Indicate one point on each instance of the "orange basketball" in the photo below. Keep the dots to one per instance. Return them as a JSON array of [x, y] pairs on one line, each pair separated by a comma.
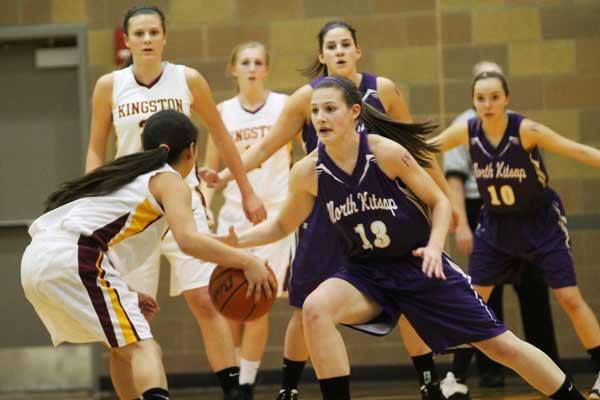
[[227, 289]]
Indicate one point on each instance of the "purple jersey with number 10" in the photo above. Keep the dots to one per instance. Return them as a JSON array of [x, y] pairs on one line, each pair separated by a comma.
[[510, 180], [319, 253], [522, 218]]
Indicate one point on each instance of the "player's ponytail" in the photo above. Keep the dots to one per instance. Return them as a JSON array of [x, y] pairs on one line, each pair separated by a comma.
[[166, 135], [411, 136]]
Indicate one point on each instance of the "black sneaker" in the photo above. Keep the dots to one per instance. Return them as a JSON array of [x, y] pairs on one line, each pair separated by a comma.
[[492, 379], [247, 391], [234, 394], [431, 391], [287, 394]]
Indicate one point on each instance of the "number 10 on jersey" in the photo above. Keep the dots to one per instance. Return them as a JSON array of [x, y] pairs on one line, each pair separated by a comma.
[[507, 195]]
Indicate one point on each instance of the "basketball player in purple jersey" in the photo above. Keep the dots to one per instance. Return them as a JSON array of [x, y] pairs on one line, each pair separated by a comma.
[[393, 221], [522, 217], [318, 255]]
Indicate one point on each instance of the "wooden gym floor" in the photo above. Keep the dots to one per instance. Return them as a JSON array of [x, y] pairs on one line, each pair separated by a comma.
[[516, 389]]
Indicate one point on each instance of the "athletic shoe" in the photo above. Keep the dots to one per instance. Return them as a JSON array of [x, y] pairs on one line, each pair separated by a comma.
[[595, 392], [431, 392], [492, 379], [454, 390], [287, 394], [234, 394], [247, 391]]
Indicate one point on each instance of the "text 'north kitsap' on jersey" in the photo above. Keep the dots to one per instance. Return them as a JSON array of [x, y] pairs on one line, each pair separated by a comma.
[[510, 180], [377, 217], [368, 90]]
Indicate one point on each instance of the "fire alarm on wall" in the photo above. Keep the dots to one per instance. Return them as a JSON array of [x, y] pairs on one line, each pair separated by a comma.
[[122, 53]]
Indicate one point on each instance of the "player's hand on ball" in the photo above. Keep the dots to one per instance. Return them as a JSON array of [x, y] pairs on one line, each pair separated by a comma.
[[432, 261], [258, 280], [148, 306]]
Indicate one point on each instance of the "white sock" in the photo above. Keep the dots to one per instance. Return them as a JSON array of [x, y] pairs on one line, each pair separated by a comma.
[[248, 370]]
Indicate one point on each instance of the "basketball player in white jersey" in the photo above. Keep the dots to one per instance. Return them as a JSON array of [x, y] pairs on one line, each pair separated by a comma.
[[248, 117], [125, 99], [103, 225]]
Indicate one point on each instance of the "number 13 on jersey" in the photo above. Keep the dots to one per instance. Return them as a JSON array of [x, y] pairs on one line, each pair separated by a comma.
[[378, 228]]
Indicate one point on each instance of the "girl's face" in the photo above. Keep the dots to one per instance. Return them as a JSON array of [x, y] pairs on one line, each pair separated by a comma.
[[489, 98], [339, 52], [145, 37], [330, 115], [251, 66]]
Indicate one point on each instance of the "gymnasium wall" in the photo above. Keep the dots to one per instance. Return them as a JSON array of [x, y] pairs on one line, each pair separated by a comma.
[[550, 50]]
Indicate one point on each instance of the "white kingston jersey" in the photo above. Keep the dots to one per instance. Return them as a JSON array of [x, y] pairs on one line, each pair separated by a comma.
[[126, 224], [270, 181], [133, 103]]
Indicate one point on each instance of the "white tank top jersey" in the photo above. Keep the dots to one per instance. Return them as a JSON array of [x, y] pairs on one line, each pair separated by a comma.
[[270, 181], [127, 223], [134, 103]]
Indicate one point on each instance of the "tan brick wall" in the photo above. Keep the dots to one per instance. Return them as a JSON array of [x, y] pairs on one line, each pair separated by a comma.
[[550, 50]]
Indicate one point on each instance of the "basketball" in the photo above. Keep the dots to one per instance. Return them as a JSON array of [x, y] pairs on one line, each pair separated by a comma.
[[227, 289]]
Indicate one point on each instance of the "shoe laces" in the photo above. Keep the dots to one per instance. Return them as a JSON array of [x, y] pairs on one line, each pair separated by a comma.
[[288, 394]]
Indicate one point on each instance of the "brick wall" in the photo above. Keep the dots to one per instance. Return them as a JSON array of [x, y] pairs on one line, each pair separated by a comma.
[[550, 50]]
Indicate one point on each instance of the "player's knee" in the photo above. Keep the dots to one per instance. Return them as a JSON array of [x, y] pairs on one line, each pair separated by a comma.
[[146, 346], [503, 348], [313, 311], [199, 302]]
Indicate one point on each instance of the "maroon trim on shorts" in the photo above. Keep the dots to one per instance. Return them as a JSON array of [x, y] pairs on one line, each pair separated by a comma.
[[89, 255]]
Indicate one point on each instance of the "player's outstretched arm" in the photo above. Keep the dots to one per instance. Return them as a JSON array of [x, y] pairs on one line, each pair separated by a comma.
[[536, 134], [297, 207], [175, 196], [451, 137], [204, 105]]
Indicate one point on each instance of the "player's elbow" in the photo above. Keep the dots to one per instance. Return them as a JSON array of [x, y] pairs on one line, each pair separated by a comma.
[[185, 241]]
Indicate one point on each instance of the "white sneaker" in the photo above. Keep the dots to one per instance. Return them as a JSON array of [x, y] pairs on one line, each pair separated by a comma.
[[595, 392], [453, 390]]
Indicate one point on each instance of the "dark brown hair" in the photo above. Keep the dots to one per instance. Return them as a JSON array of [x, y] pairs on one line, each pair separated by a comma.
[[316, 68], [411, 136], [142, 9], [166, 135]]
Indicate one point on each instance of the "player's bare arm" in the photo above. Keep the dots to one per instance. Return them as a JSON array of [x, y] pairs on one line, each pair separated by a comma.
[[204, 105], [393, 100], [101, 122], [453, 136], [535, 134], [420, 183], [297, 207]]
